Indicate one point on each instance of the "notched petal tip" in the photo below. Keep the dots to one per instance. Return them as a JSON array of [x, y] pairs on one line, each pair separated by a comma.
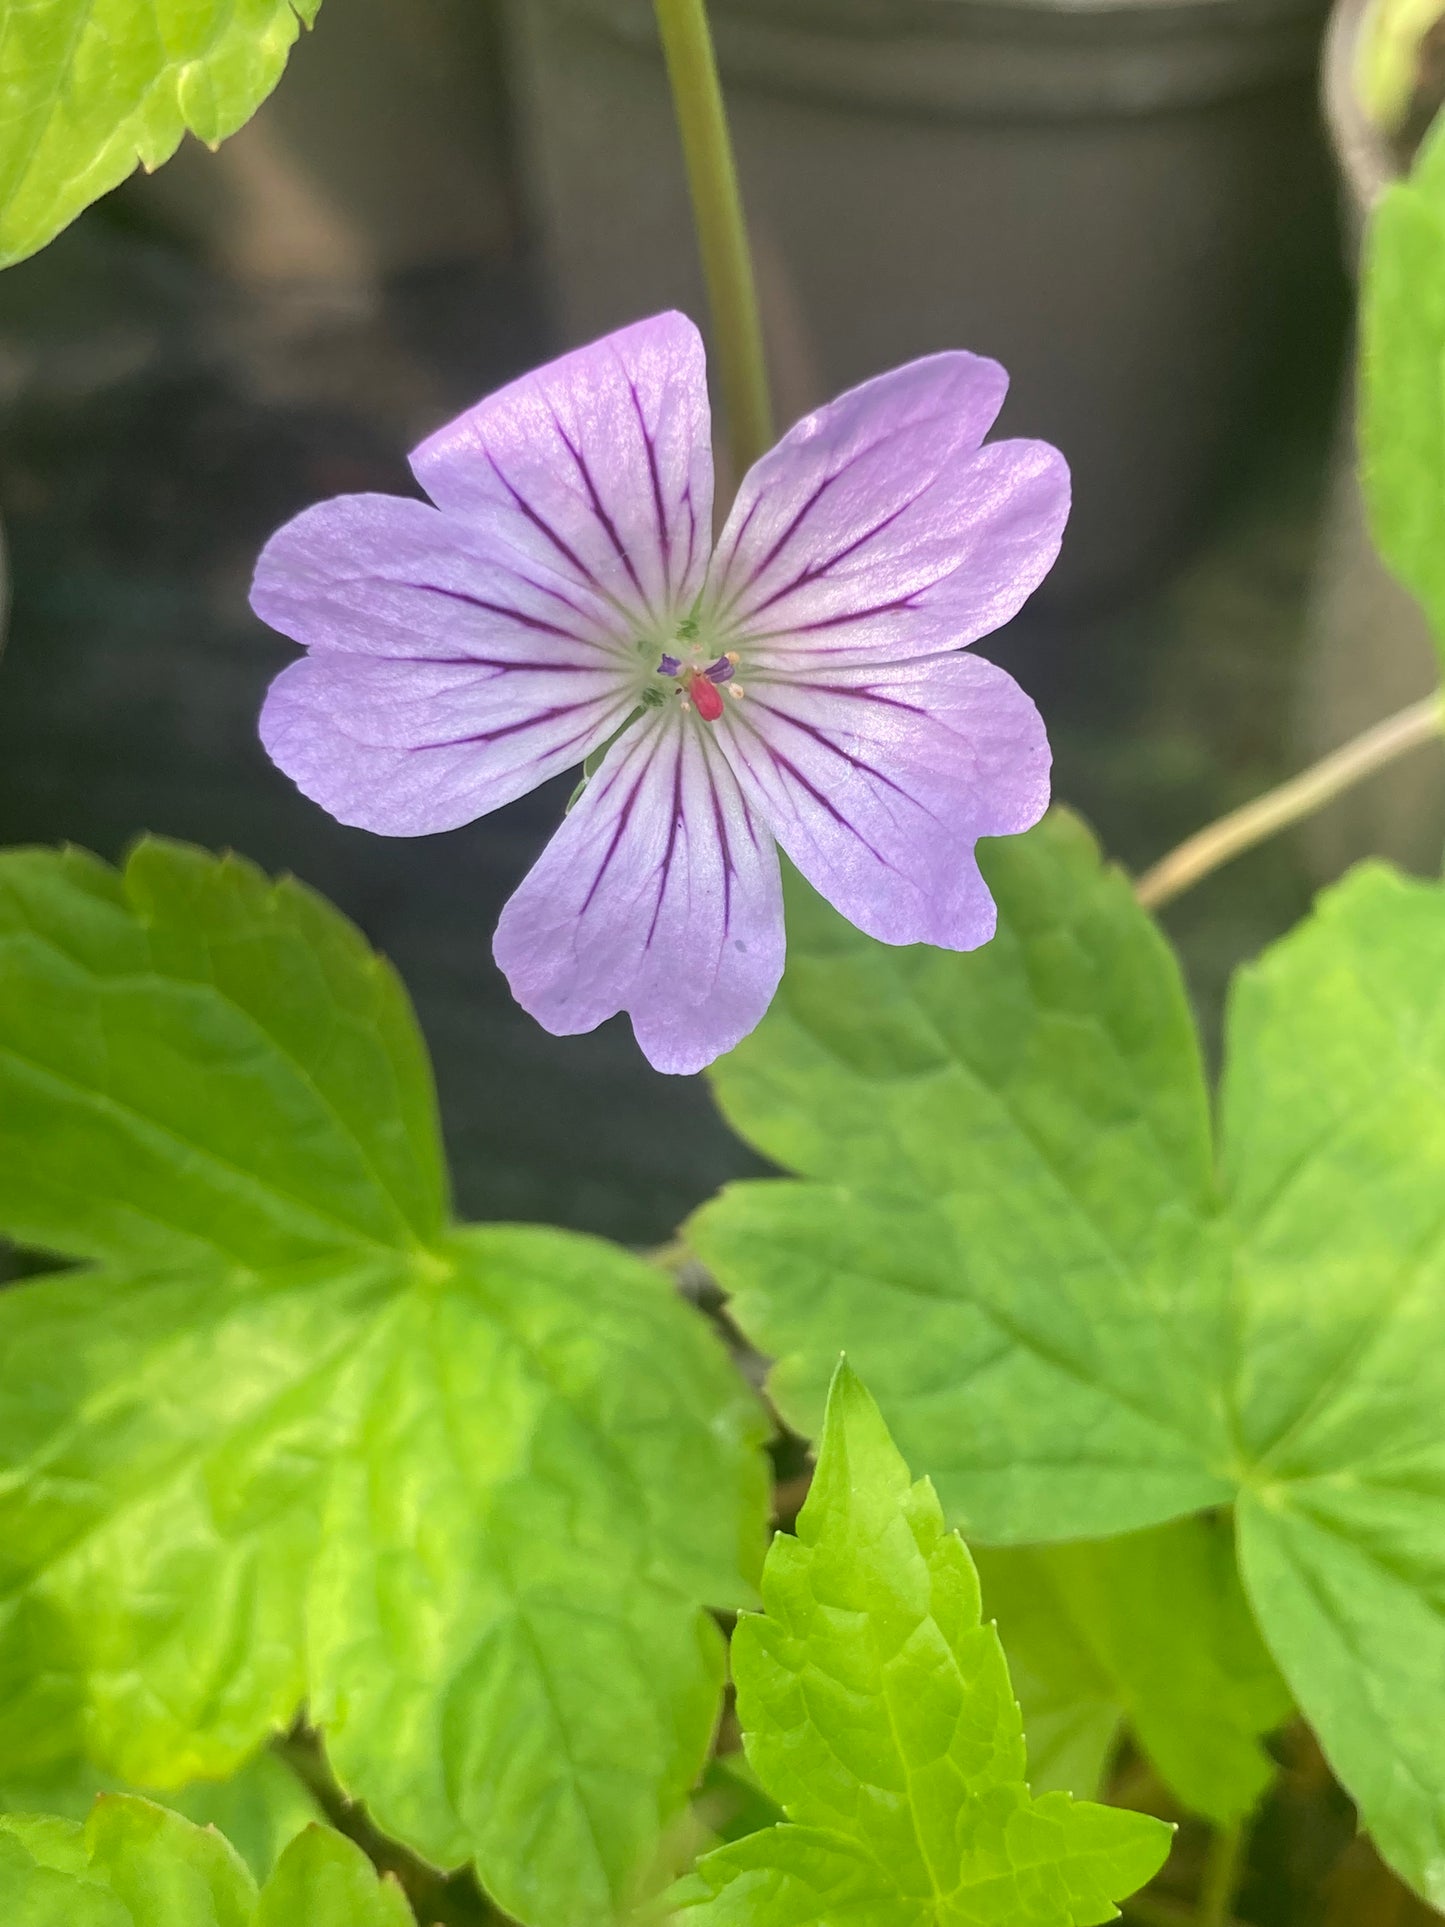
[[885, 527], [878, 783], [598, 464]]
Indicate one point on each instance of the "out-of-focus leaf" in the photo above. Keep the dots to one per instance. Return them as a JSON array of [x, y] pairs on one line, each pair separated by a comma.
[[91, 88], [1072, 1710], [1152, 1626], [260, 1809], [135, 1864], [152, 1868], [322, 1880], [877, 1710], [1402, 395]]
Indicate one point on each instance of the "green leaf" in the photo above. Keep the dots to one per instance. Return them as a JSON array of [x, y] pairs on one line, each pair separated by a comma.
[[1402, 379], [134, 1864], [1072, 1708], [171, 1040], [1152, 1626], [323, 1880], [465, 1492], [1334, 1135], [1019, 1352], [131, 1865], [1085, 1333], [877, 1710], [36, 1893], [91, 87], [260, 1809]]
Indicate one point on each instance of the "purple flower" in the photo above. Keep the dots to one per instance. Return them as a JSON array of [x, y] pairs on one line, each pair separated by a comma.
[[799, 684]]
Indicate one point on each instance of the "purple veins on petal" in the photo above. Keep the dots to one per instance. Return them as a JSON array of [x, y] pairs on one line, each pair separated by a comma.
[[599, 465], [882, 518], [879, 783], [555, 605], [659, 895]]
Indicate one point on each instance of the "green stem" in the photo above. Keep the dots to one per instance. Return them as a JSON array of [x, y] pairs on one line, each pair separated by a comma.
[[1222, 1869], [1219, 842], [722, 234]]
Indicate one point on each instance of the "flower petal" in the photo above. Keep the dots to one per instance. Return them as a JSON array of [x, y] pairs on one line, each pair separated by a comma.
[[408, 749], [879, 525], [444, 680], [598, 465], [659, 895], [380, 575], [878, 783]]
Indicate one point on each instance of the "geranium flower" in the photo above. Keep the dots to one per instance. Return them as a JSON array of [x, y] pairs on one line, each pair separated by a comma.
[[800, 684]]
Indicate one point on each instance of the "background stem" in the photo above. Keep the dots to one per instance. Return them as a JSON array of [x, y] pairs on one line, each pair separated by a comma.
[[722, 235], [1222, 1870], [1218, 842]]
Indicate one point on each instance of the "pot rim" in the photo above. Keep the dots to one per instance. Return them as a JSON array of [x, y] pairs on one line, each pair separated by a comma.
[[1363, 153]]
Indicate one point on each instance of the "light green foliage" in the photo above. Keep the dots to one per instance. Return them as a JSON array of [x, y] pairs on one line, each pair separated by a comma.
[[260, 1810], [877, 1710], [1081, 1332], [1012, 1176], [1402, 379], [322, 1880], [89, 88], [464, 1491], [133, 1864], [1154, 1626], [1071, 1703]]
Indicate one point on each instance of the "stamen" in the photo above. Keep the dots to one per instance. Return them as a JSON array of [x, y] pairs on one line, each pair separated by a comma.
[[669, 666], [721, 670]]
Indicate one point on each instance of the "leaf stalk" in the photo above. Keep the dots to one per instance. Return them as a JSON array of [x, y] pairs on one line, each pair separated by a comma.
[[1230, 836]]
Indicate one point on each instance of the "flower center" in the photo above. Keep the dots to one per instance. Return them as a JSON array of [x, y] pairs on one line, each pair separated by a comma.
[[701, 687], [697, 684]]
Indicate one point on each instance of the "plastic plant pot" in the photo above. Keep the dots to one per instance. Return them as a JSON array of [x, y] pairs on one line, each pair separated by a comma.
[[1119, 200]]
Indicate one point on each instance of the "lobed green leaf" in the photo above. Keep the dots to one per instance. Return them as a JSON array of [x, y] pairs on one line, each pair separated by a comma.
[[260, 1809], [876, 1708], [1086, 1333], [134, 1864], [466, 1493], [90, 88]]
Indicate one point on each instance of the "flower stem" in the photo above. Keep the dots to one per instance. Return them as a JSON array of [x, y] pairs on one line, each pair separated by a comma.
[[1231, 835], [722, 234]]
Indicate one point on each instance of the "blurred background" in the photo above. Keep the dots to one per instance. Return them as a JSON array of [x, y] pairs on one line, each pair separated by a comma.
[[1138, 206]]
